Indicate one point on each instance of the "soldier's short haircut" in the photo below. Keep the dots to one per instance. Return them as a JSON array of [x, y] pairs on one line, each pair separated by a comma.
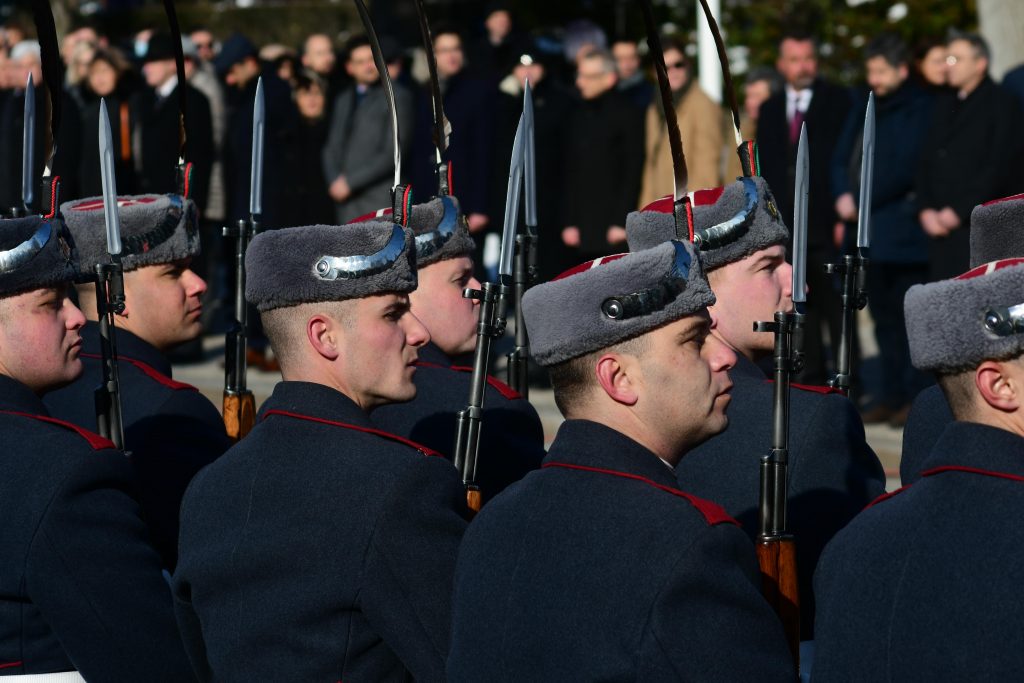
[[889, 47], [574, 379], [285, 328], [959, 389], [977, 43]]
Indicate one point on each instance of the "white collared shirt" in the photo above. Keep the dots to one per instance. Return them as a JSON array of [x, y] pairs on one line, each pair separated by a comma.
[[797, 99]]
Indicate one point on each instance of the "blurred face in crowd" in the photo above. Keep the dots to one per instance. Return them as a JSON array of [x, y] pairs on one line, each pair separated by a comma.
[[534, 71], [675, 62], [627, 58], [162, 303], [966, 67], [438, 302], [797, 63], [102, 77], [158, 71], [310, 101], [240, 73], [39, 338], [498, 25], [883, 77], [933, 66], [319, 54], [754, 95], [448, 53], [360, 66], [21, 68], [750, 290], [203, 41], [594, 78]]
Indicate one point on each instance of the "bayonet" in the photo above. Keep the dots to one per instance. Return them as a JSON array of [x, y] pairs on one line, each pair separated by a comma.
[[109, 293], [867, 175], [442, 127], [239, 402], [28, 150], [801, 194]]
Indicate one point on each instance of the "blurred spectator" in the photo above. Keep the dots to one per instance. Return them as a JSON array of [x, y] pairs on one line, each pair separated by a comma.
[[206, 46], [311, 203], [1013, 81], [282, 60], [494, 55], [107, 78], [760, 84], [632, 81], [551, 107], [582, 37], [824, 107], [700, 123], [78, 69], [899, 249], [603, 153], [970, 154], [318, 56], [13, 32], [203, 77], [358, 159], [930, 60], [156, 110]]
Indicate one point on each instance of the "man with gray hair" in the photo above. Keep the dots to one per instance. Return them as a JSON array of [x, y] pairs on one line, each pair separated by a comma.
[[937, 562]]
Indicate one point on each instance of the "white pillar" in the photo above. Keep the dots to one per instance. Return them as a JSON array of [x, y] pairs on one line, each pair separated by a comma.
[[707, 54]]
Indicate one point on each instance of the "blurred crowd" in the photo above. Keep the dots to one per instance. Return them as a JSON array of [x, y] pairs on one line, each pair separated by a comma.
[[947, 137]]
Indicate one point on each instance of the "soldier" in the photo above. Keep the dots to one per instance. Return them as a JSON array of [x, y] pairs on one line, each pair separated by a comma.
[[513, 437], [926, 584], [320, 547], [995, 234], [601, 547], [833, 473], [171, 429], [80, 585]]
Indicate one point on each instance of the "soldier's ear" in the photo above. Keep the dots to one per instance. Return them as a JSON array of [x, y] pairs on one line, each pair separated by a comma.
[[324, 335], [616, 375], [1001, 384]]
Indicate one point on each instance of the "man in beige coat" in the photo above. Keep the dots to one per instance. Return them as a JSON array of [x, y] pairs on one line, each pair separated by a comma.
[[700, 122]]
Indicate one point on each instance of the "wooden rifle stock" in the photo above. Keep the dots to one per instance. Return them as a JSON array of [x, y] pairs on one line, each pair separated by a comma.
[[776, 556], [239, 413], [473, 500]]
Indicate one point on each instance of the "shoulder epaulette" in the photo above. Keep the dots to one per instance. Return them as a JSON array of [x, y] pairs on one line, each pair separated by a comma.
[[713, 513], [95, 441], [502, 388], [813, 388], [366, 430]]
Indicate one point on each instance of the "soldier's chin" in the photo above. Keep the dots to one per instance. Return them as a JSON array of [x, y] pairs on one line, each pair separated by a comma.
[[71, 370]]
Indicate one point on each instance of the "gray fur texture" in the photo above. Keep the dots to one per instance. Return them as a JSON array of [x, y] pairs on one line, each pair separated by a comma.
[[155, 228], [649, 227], [997, 230], [281, 264], [945, 320], [426, 217], [565, 318], [54, 264]]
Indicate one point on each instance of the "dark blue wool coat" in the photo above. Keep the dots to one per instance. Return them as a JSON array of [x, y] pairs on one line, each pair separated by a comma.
[[929, 415], [597, 567], [927, 584], [318, 550], [80, 585], [171, 430], [511, 437], [833, 473]]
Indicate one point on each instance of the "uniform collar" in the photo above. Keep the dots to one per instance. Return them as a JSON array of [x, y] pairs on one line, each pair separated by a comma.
[[315, 400], [977, 446], [432, 354], [17, 397], [590, 444], [746, 370], [128, 345]]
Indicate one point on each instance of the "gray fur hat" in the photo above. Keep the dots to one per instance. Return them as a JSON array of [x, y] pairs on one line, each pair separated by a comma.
[[732, 222], [440, 228], [155, 228], [603, 302], [314, 263], [997, 230], [35, 253], [953, 325]]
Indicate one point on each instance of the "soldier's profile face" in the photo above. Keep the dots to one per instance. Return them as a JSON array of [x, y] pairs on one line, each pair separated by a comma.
[[39, 338], [163, 304], [750, 290], [381, 337], [438, 303]]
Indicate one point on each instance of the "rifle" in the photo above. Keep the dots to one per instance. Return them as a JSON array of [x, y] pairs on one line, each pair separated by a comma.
[[109, 294], [853, 268], [776, 547], [493, 297], [239, 402], [525, 272], [28, 153]]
